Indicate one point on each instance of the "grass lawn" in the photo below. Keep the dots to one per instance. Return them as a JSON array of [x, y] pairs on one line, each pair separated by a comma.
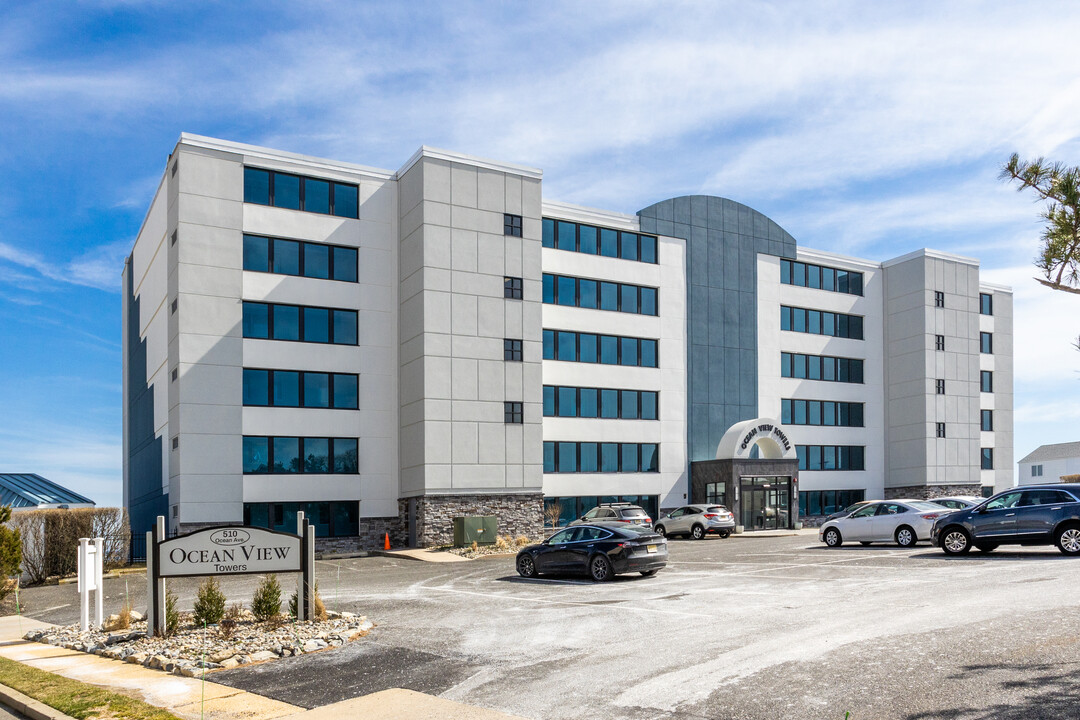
[[75, 698]]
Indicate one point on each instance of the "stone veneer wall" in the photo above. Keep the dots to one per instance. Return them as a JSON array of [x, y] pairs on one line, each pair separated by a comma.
[[518, 514], [926, 492]]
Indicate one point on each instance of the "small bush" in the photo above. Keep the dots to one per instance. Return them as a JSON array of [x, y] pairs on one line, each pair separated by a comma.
[[122, 621], [266, 602], [320, 607], [209, 603], [522, 541], [228, 623], [502, 542], [172, 614], [10, 552], [474, 547]]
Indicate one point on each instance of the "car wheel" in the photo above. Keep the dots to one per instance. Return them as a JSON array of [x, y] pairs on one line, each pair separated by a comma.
[[526, 567], [1068, 540], [697, 532], [649, 573], [725, 534], [864, 543], [660, 531], [833, 538], [906, 537], [600, 568], [955, 541], [986, 547]]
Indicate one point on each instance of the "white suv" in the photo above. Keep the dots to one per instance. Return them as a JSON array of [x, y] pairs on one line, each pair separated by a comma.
[[697, 521]]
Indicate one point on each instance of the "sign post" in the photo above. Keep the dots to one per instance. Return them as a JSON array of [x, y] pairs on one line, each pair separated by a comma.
[[230, 550], [91, 562]]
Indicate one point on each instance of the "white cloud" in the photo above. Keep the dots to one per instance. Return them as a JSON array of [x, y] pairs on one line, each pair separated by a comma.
[[99, 267]]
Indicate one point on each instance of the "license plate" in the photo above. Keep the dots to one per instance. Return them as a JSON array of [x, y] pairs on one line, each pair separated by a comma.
[[651, 548]]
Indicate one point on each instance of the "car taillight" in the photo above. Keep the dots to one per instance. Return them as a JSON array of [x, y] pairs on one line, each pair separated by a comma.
[[711, 515], [930, 516]]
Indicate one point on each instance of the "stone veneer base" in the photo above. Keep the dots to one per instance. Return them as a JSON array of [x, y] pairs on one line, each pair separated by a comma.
[[518, 514], [925, 492]]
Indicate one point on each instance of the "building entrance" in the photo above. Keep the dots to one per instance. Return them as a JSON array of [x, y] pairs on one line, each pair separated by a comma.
[[765, 503]]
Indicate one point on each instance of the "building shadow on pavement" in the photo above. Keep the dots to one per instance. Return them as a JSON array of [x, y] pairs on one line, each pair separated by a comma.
[[1051, 692]]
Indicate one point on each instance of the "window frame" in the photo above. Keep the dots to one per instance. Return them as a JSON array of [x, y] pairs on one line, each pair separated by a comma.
[[302, 180], [331, 323]]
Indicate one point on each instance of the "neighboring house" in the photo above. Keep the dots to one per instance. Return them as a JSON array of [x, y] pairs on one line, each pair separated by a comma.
[[1048, 463], [30, 491]]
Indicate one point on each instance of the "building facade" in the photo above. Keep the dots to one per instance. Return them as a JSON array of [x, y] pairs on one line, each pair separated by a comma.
[[1050, 464], [389, 350]]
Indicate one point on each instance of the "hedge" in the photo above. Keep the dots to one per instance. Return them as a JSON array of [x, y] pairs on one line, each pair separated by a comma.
[[50, 538]]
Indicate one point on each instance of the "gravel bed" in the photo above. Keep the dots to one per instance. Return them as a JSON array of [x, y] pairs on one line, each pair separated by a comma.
[[194, 651]]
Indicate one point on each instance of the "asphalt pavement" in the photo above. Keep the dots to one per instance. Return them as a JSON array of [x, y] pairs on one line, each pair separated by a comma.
[[748, 628]]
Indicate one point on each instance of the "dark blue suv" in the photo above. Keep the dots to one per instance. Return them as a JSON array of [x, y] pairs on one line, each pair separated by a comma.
[[1031, 515]]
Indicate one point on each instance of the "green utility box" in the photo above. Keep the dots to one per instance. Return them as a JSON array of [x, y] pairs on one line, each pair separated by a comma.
[[480, 529]]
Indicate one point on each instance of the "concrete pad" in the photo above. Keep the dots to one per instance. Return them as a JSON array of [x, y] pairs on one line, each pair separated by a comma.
[[238, 705], [423, 554], [13, 627], [400, 704]]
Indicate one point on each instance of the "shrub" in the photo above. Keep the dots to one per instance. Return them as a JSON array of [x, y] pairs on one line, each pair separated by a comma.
[[122, 621], [522, 541], [172, 614], [227, 626], [320, 607], [502, 542], [209, 603], [10, 552], [266, 602], [51, 538], [552, 514]]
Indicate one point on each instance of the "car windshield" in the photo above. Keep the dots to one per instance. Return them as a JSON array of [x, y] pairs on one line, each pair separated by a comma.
[[717, 509], [925, 506]]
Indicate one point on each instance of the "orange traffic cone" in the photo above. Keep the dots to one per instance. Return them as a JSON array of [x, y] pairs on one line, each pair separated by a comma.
[[386, 542]]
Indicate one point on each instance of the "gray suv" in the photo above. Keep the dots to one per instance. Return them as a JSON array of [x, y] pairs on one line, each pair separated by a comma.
[[1031, 515], [697, 521], [616, 512]]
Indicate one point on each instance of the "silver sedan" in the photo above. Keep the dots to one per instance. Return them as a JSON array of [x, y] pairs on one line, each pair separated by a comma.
[[903, 522]]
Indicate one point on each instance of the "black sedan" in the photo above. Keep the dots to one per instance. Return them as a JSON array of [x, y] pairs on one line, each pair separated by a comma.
[[600, 550]]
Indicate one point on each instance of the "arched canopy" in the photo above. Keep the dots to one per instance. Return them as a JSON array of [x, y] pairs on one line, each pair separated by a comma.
[[767, 434]]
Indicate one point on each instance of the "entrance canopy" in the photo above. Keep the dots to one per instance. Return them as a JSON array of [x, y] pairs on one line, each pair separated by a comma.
[[765, 433]]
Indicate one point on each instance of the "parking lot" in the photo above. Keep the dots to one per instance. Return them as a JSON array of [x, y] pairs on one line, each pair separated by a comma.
[[747, 627]]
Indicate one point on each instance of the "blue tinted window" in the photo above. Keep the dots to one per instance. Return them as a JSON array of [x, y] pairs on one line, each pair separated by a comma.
[[549, 401], [287, 455], [567, 457], [609, 243], [286, 388], [567, 239], [256, 455], [256, 186], [317, 196], [549, 289], [567, 291], [609, 457], [587, 292], [345, 391], [630, 460], [609, 350], [629, 348], [286, 257], [589, 402], [587, 349], [316, 389], [549, 344], [256, 253], [648, 249], [828, 279], [549, 233], [587, 242], [549, 457], [567, 402], [286, 191], [609, 403], [256, 387], [785, 411], [316, 324], [316, 261], [286, 322], [650, 457], [648, 405], [609, 296], [256, 320], [316, 455], [648, 353], [567, 346], [628, 246], [785, 364], [648, 301], [344, 327], [630, 404], [590, 461], [345, 264], [345, 200], [629, 298]]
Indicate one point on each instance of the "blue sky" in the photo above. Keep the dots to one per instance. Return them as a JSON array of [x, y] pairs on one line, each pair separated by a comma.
[[870, 129]]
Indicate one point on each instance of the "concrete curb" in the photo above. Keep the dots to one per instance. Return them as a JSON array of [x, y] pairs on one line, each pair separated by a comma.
[[28, 706]]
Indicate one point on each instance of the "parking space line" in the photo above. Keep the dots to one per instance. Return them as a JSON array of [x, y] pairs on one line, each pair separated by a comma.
[[632, 608]]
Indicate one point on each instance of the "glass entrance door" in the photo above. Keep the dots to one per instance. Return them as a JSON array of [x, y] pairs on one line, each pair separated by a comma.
[[765, 503]]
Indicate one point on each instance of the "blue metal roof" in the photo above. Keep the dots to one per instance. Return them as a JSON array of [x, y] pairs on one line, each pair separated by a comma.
[[23, 490]]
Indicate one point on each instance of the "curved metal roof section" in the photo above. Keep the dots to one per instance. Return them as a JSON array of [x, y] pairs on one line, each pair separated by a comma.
[[22, 490], [717, 213]]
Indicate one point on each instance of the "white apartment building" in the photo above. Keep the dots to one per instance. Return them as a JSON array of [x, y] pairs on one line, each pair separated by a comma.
[[1050, 463], [388, 350]]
